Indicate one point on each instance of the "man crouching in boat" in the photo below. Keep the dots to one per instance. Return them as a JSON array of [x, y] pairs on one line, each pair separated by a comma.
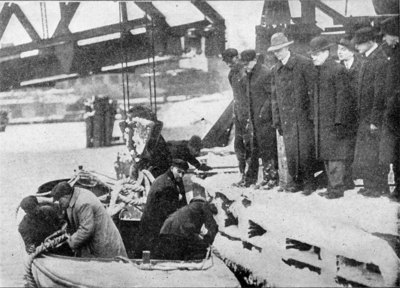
[[95, 234], [166, 195], [40, 221], [183, 236]]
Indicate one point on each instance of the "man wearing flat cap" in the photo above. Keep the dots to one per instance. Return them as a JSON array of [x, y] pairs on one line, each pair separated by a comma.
[[94, 232], [240, 109], [263, 137], [390, 30], [292, 84], [166, 195], [369, 163], [334, 116], [346, 52]]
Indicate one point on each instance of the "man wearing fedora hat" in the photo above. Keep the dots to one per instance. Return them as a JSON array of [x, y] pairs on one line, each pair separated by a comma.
[[292, 112], [334, 116], [370, 164], [350, 59], [166, 195], [240, 109], [390, 30], [263, 136]]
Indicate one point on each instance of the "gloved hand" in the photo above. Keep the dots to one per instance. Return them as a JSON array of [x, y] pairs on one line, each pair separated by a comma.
[[204, 167], [340, 131]]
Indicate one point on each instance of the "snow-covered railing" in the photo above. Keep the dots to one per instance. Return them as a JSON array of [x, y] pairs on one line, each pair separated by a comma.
[[305, 241]]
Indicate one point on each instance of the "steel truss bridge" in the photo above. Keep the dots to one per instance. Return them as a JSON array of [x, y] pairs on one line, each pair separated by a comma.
[[124, 45]]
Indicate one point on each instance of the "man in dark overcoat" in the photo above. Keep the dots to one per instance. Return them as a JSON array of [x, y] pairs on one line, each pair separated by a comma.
[[188, 151], [292, 84], [166, 195], [240, 109], [183, 236], [390, 30], [263, 136], [369, 164], [334, 116], [352, 62]]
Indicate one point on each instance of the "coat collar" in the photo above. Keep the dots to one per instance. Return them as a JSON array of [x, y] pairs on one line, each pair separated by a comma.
[[290, 63], [73, 198]]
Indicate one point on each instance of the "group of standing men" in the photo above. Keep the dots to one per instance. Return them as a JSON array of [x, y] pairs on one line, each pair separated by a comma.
[[344, 115]]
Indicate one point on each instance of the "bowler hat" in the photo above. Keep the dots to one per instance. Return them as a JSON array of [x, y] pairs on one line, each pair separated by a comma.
[[347, 42], [248, 55], [179, 163], [278, 41], [319, 43], [391, 26], [60, 190], [364, 35], [228, 54], [195, 142]]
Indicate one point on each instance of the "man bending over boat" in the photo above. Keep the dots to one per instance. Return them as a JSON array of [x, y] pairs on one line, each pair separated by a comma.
[[183, 236], [166, 195], [95, 234], [40, 221]]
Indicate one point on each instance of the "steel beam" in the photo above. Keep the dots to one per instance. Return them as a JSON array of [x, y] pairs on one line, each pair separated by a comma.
[[25, 22], [132, 24], [336, 16], [209, 12], [67, 12], [5, 16]]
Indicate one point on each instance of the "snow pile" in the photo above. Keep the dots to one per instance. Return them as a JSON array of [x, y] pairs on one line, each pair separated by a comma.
[[201, 111], [337, 229]]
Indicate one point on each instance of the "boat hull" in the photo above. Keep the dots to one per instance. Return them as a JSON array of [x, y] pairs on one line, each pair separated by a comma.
[[61, 271]]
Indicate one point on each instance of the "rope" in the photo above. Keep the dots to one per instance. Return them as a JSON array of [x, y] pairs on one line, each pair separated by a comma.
[[154, 67], [45, 246], [148, 62], [122, 55], [43, 15]]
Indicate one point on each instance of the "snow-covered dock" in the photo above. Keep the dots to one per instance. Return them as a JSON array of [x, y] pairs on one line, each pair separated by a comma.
[[309, 241]]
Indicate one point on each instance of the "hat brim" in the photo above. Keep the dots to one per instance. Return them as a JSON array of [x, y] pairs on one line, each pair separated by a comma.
[[349, 47], [327, 47], [277, 47]]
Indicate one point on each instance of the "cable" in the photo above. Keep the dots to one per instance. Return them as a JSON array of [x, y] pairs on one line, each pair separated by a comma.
[[122, 56], [148, 62]]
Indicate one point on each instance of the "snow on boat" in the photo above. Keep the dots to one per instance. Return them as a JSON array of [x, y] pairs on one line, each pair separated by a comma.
[[52, 270]]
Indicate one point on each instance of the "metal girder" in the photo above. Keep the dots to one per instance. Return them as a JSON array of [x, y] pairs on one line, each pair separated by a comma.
[[67, 12], [5, 15], [209, 12], [132, 24], [151, 10], [336, 16], [180, 31], [25, 22]]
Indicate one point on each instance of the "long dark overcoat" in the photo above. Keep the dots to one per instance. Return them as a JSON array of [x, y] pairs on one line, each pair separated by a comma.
[[95, 232], [241, 103], [292, 111], [371, 95], [333, 105], [258, 89], [163, 200]]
